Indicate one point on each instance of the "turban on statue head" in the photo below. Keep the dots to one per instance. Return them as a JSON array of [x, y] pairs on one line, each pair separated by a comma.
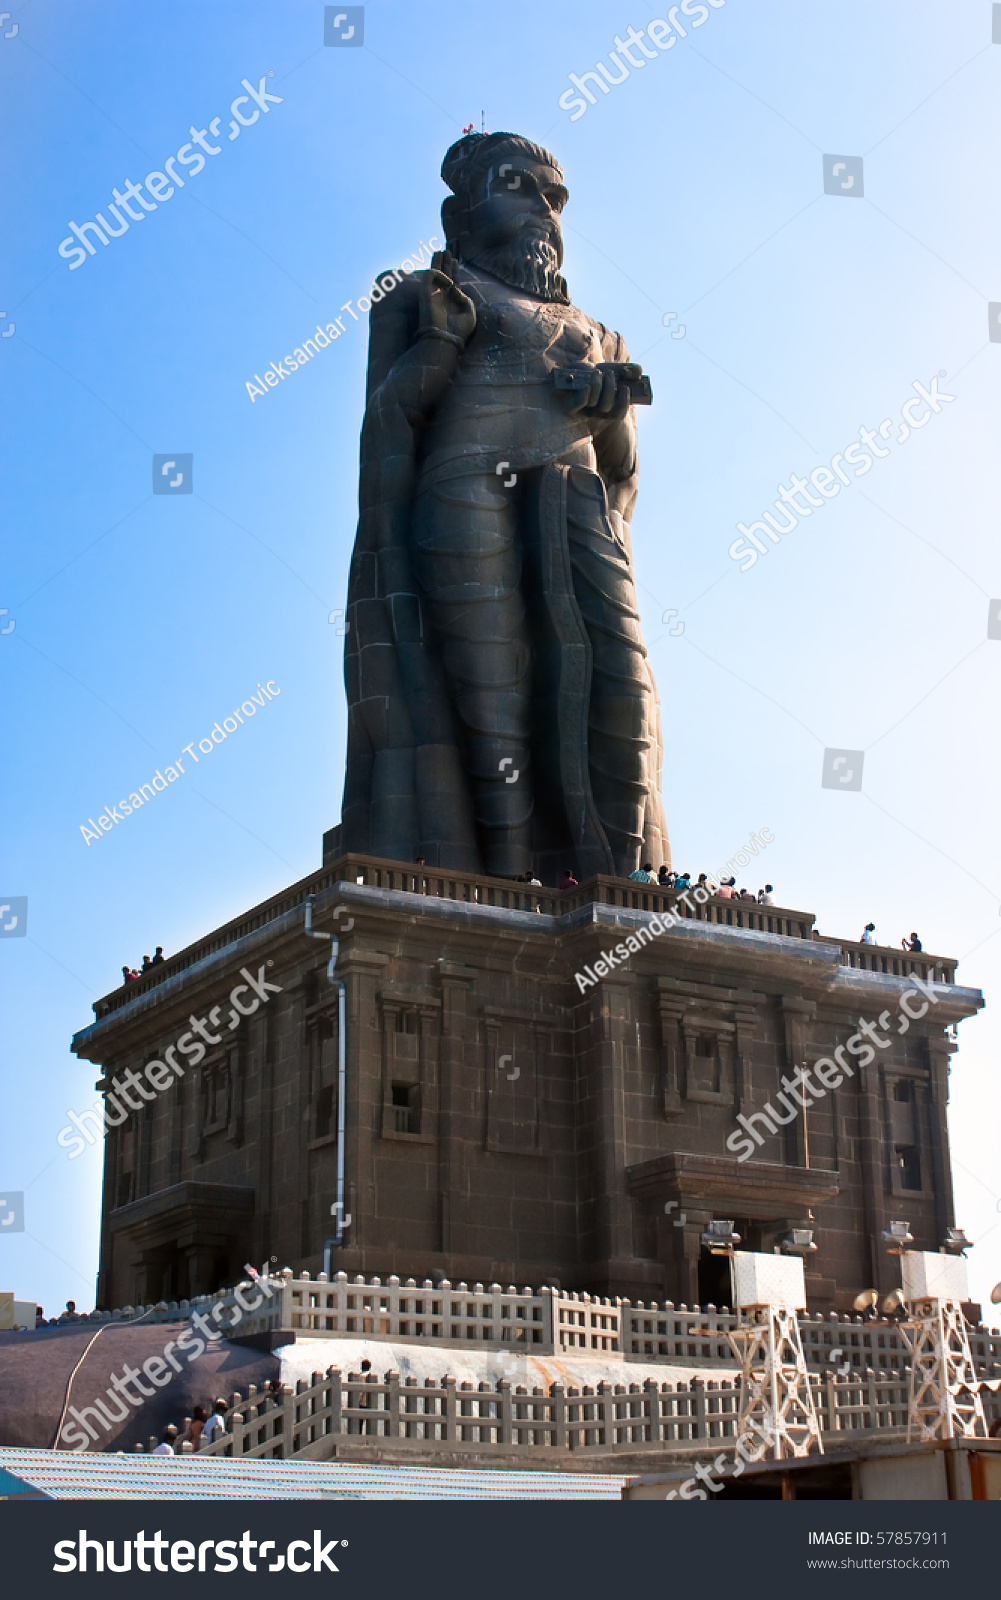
[[465, 168], [467, 161]]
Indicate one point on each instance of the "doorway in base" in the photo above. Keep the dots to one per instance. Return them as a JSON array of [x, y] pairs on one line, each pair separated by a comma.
[[714, 1271]]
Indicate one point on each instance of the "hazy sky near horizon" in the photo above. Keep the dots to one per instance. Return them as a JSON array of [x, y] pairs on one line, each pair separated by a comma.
[[775, 321]]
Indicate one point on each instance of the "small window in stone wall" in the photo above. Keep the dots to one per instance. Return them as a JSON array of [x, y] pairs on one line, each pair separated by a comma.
[[406, 1108], [708, 1064], [407, 1038], [325, 1111], [909, 1162], [324, 1077], [215, 1105]]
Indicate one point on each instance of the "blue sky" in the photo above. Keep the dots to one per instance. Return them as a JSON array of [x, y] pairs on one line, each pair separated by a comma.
[[696, 189]]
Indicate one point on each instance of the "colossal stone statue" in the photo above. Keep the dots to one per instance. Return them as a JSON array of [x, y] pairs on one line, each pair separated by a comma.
[[502, 712]]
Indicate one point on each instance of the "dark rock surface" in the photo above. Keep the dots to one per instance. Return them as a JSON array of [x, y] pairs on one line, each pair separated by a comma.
[[35, 1368]]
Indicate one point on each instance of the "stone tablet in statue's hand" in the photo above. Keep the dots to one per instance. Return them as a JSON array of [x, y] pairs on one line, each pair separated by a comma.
[[445, 312], [604, 390]]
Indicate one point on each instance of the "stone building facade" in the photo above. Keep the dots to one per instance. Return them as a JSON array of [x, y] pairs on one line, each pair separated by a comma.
[[503, 1119]]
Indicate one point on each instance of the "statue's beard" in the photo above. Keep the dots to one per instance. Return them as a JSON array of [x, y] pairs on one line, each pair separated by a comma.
[[529, 263]]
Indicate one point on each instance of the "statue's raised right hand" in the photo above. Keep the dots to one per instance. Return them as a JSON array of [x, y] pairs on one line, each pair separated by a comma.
[[443, 306]]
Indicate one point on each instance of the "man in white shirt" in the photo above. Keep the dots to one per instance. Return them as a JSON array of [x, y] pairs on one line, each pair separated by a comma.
[[216, 1423], [869, 933], [167, 1443]]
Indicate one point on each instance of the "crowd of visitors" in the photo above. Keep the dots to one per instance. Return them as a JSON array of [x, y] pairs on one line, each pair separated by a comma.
[[681, 882], [130, 974], [664, 878], [200, 1428]]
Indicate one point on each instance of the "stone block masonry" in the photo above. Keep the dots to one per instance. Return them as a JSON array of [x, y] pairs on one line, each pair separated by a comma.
[[459, 1167]]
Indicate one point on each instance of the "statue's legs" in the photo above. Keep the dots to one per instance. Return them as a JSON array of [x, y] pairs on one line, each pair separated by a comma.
[[468, 563], [622, 717]]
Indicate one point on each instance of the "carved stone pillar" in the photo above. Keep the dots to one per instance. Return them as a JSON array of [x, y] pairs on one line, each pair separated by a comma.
[[456, 982], [671, 1012], [871, 1160], [796, 1017], [610, 1016], [360, 971], [940, 1049], [746, 1021]]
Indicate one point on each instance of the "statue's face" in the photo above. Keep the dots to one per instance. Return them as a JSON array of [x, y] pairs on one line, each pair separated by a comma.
[[518, 211]]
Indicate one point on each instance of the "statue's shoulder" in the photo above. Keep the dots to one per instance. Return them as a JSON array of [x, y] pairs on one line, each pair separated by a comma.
[[392, 324]]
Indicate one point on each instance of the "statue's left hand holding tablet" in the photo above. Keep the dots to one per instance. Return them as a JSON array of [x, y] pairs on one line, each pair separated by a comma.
[[606, 389]]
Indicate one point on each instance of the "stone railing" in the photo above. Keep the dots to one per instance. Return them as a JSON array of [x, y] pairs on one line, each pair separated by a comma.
[[679, 1334], [163, 1311], [470, 889], [896, 963], [550, 1321], [478, 889], [729, 912], [374, 1308], [363, 1413], [542, 1322], [467, 888]]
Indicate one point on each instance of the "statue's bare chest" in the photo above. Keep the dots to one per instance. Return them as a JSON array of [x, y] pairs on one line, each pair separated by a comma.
[[518, 331]]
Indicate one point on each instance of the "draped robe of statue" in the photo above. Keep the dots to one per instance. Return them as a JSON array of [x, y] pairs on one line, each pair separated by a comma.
[[502, 711]]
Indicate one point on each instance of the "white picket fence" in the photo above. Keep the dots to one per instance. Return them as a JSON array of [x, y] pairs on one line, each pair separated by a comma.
[[357, 1413], [548, 1322]]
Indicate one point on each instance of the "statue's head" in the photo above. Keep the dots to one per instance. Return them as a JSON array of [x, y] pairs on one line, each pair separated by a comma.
[[504, 212]]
